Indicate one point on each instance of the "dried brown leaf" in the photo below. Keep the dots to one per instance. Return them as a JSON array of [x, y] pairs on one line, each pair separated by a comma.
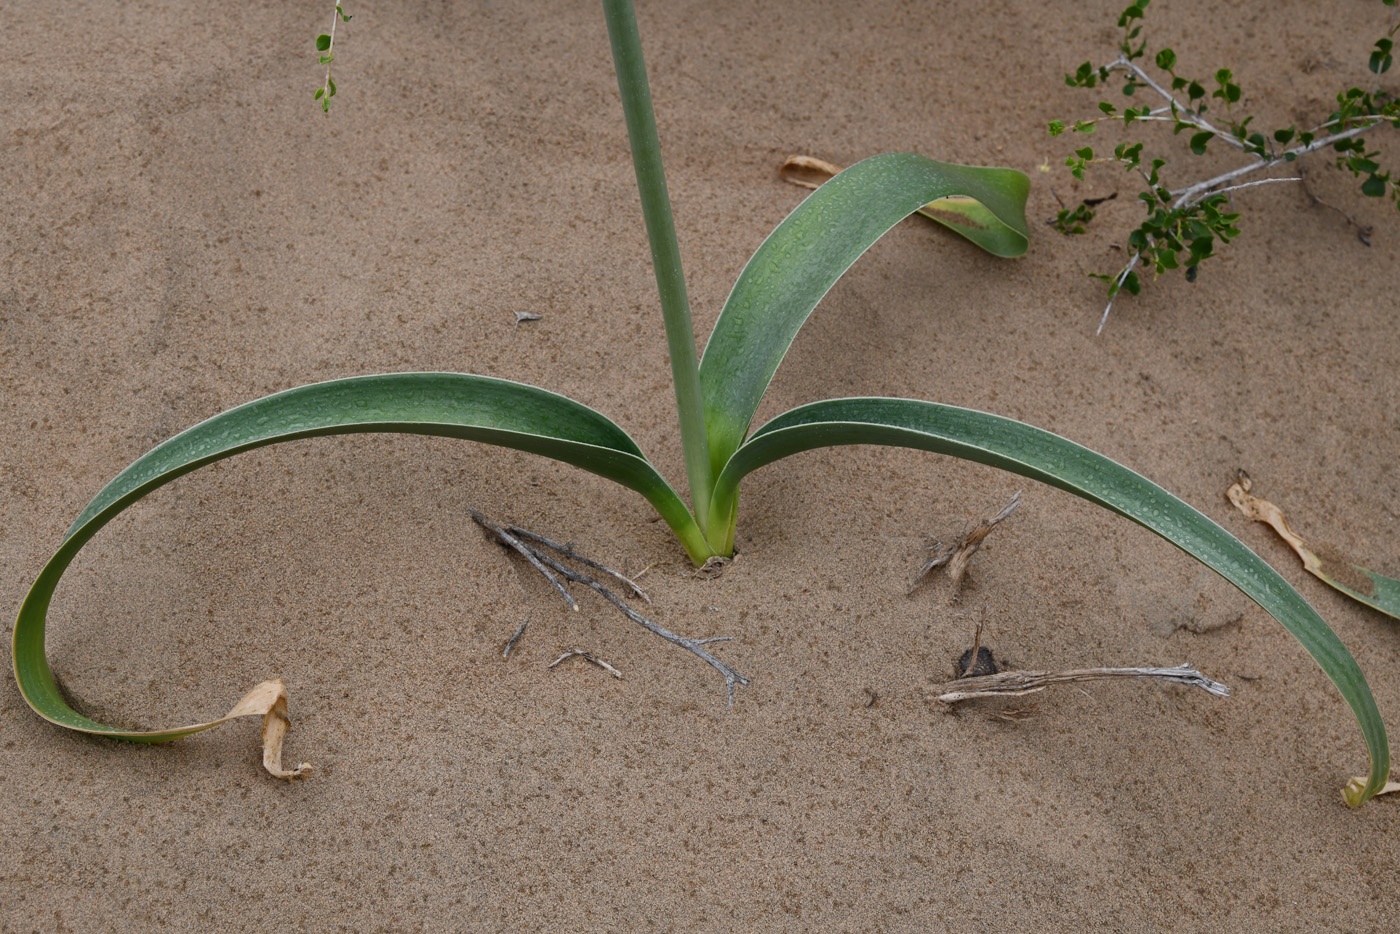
[[807, 171], [1325, 563], [269, 700], [957, 556]]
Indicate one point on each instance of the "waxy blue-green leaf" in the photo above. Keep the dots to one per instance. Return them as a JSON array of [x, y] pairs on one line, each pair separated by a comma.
[[1040, 455], [814, 246], [454, 405]]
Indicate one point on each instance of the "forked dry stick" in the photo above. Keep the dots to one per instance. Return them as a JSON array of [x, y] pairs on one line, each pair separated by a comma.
[[694, 646], [1016, 683], [530, 554], [550, 567], [588, 657], [957, 555]]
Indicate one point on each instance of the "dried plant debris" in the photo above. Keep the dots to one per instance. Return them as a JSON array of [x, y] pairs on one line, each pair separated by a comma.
[[713, 567], [588, 657], [567, 551], [977, 660], [269, 701], [956, 556], [510, 644], [1351, 794], [526, 316], [536, 549], [807, 171], [985, 664], [1375, 590], [1015, 714], [1017, 683]]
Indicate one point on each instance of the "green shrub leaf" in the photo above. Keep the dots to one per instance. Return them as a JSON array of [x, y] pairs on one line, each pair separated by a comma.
[[1373, 187]]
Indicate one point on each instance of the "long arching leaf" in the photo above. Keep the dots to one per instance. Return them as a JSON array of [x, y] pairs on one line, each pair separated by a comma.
[[1040, 455], [453, 405], [814, 246]]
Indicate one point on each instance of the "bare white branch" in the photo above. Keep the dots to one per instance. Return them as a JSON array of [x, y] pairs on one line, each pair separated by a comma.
[[1194, 193], [1122, 277], [518, 539]]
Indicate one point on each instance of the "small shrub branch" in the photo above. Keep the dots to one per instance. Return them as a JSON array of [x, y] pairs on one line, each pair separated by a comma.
[[1185, 224], [325, 45]]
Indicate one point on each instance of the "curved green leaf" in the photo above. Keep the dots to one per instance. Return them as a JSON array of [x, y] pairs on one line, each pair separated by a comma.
[[815, 245], [1040, 455], [453, 405], [1383, 593]]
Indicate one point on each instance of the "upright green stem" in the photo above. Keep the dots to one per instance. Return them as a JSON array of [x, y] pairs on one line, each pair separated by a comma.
[[665, 252]]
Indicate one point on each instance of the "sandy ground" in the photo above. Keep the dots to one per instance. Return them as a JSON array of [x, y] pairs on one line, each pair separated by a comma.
[[181, 231]]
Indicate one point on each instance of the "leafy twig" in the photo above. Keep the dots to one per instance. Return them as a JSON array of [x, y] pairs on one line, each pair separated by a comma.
[[1184, 223], [325, 44]]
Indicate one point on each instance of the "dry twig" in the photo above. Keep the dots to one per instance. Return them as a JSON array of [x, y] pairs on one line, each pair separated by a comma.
[[568, 552], [977, 660], [976, 644], [588, 657], [531, 555], [520, 631], [550, 567], [1016, 683], [1015, 714]]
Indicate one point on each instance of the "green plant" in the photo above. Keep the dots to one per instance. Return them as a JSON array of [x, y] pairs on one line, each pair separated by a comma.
[[717, 398], [1184, 224], [325, 45]]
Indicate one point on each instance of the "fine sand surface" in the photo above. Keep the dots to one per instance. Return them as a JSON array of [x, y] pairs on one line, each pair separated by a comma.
[[181, 230]]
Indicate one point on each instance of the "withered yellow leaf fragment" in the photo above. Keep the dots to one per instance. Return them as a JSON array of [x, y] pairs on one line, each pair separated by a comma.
[[1351, 794], [269, 700], [807, 171], [1365, 586]]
